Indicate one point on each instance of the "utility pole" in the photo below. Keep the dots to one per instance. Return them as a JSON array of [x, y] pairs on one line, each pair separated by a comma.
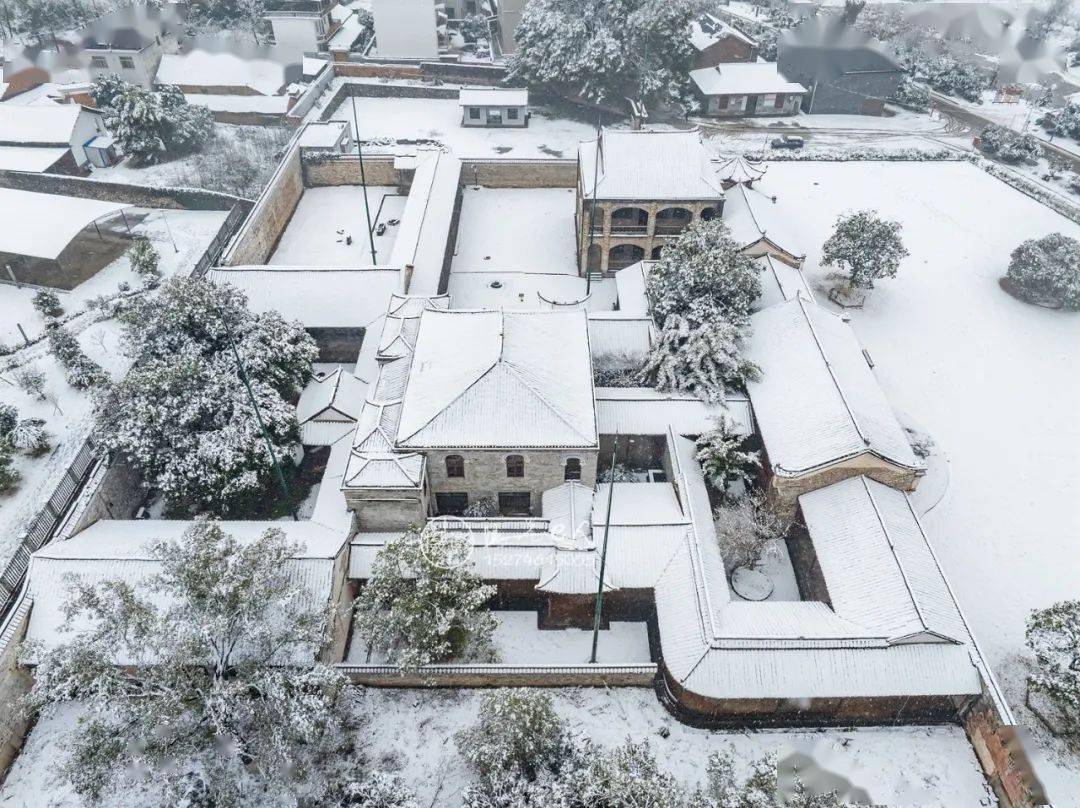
[[603, 552], [363, 181], [592, 207], [258, 417]]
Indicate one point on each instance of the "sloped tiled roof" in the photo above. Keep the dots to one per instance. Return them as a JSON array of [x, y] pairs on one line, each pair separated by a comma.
[[645, 165]]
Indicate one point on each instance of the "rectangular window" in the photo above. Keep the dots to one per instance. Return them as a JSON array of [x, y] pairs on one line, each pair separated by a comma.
[[127, 63], [515, 503], [99, 62], [511, 114], [451, 504], [779, 101], [474, 113], [721, 102], [767, 100]]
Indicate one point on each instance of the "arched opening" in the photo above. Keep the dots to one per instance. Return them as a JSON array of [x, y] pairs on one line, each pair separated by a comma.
[[672, 221], [455, 466], [708, 214], [629, 220], [572, 469], [623, 255], [515, 466], [655, 254], [595, 259]]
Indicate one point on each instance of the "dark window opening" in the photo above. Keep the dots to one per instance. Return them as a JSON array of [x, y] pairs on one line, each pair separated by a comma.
[[515, 466], [474, 113], [452, 504], [455, 466], [515, 503], [572, 470], [512, 114]]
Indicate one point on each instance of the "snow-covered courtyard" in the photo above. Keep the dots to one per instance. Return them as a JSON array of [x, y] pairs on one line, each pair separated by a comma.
[[329, 227], [410, 732], [991, 379]]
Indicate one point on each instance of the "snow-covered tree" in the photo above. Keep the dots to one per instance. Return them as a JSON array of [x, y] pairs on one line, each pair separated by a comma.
[[183, 414], [1044, 20], [423, 603], [627, 775], [723, 455], [1007, 146], [517, 733], [188, 125], [474, 28], [82, 371], [1047, 271], [910, 93], [219, 695], [619, 473], [482, 507], [866, 247], [747, 531], [606, 50], [107, 89], [144, 261], [9, 475], [1053, 636], [9, 419], [372, 790], [150, 125], [698, 353], [1066, 121], [44, 18], [29, 436], [47, 303], [703, 266], [616, 370]]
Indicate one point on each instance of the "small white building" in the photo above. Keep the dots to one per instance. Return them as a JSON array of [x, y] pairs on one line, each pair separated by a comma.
[[743, 89], [64, 126], [494, 106], [301, 25]]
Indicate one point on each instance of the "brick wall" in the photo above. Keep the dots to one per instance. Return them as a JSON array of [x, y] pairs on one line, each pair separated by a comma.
[[344, 169], [485, 473], [140, 195], [784, 492], [257, 238], [15, 682], [555, 173], [997, 751]]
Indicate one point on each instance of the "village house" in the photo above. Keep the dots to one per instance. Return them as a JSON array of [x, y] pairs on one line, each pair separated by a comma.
[[405, 29], [494, 106], [745, 90], [130, 41], [637, 189], [717, 42], [212, 66], [56, 137], [302, 25]]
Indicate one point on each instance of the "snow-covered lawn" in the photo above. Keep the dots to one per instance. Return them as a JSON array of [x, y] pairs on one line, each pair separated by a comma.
[[67, 412], [411, 732], [440, 119], [992, 380], [329, 227], [516, 229]]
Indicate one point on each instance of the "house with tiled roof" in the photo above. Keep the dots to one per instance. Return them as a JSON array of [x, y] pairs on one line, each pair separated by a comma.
[[717, 42]]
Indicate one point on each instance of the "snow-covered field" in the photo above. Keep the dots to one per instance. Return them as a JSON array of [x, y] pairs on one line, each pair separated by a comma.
[[517, 230], [67, 412], [992, 380], [411, 732], [329, 227]]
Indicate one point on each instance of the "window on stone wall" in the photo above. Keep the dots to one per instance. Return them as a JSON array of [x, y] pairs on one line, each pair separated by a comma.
[[515, 503], [572, 470], [455, 466], [515, 466], [127, 63], [451, 504]]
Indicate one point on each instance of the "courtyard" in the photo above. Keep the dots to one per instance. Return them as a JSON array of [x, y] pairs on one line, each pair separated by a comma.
[[992, 380]]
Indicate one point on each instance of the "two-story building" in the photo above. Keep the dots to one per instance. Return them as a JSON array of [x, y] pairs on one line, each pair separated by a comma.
[[302, 25], [130, 41], [636, 190]]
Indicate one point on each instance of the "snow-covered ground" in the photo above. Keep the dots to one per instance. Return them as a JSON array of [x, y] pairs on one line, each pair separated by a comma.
[[67, 412], [440, 119], [517, 230], [994, 381], [411, 732], [327, 219]]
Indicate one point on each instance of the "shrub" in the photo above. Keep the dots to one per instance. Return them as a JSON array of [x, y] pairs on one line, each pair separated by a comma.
[[1053, 636], [82, 371], [482, 508], [616, 370], [32, 382], [9, 419], [1007, 146], [30, 436], [47, 303], [1046, 271], [911, 94], [9, 477], [746, 531], [144, 261]]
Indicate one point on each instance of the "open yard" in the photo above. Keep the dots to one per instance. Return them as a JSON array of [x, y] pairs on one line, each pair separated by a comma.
[[329, 227], [992, 380]]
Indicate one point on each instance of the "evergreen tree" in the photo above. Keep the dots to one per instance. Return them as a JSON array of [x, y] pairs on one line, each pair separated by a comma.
[[373, 790], [9, 475], [47, 303], [866, 246], [219, 695], [1053, 636], [723, 457], [106, 90], [151, 125], [144, 261], [423, 603], [82, 371], [1047, 271], [29, 436]]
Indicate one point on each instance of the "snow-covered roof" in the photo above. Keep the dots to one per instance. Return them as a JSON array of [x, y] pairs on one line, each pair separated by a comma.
[[877, 562], [818, 402], [780, 282], [707, 30], [52, 125], [204, 68], [637, 504], [313, 66], [113, 549], [30, 158], [42, 225], [646, 411], [631, 288], [425, 222], [318, 298], [743, 78], [615, 333], [323, 134], [264, 104], [352, 28], [738, 169], [646, 165], [753, 217], [337, 396], [499, 379], [493, 97], [568, 509]]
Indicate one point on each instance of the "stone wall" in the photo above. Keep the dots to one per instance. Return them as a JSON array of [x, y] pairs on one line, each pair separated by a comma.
[[141, 195], [784, 492], [386, 510], [999, 753], [114, 492], [554, 173], [255, 242], [485, 473], [344, 169], [15, 682]]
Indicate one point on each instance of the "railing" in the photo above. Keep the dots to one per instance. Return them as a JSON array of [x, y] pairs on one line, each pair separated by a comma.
[[217, 246], [670, 229], [506, 675], [629, 229], [43, 526]]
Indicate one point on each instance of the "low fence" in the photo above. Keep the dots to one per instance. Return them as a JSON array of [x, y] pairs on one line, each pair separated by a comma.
[[144, 196], [220, 241], [502, 675], [43, 526]]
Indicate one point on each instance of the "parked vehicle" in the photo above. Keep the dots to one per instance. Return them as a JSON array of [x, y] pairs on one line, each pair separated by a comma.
[[788, 142]]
